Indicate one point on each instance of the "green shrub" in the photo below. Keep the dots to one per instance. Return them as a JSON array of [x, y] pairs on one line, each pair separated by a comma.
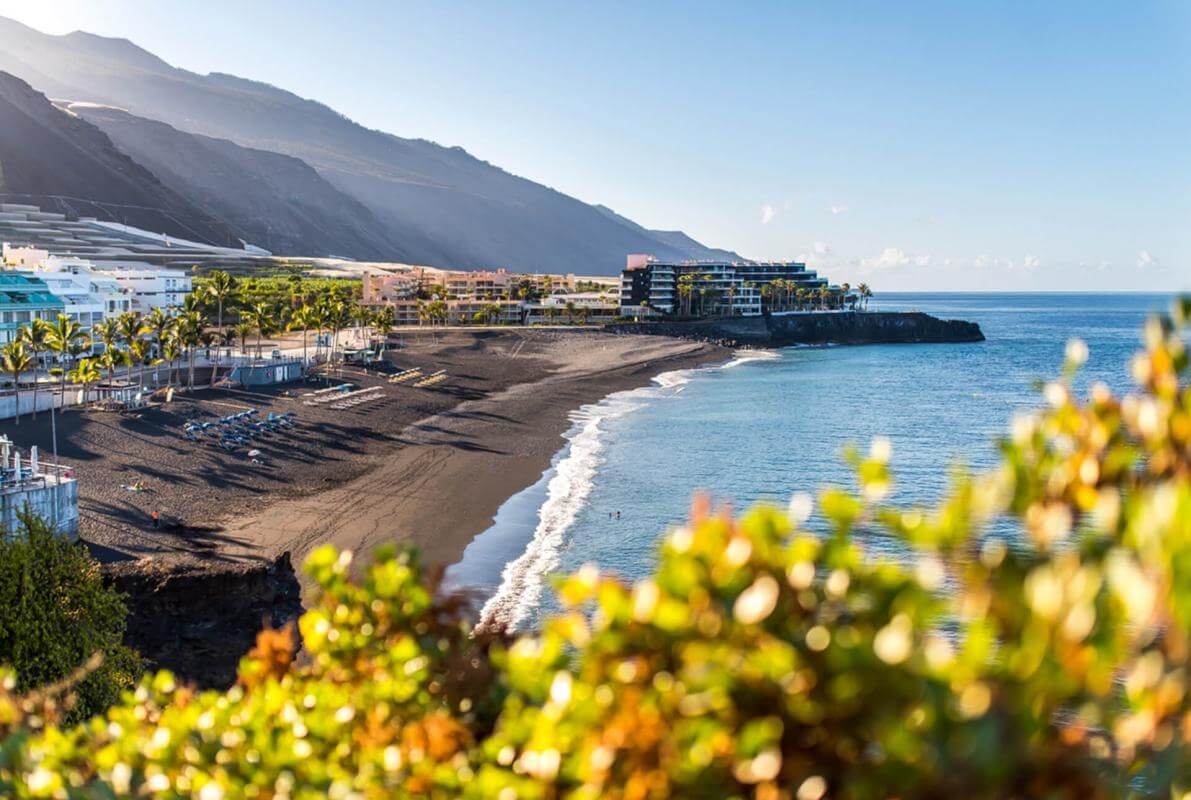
[[759, 660], [56, 613]]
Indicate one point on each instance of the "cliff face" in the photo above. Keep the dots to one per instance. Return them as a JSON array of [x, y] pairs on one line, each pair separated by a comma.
[[199, 622], [849, 327], [64, 163]]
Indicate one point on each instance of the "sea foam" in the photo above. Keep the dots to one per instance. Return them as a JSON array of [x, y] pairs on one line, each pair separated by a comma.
[[524, 579]]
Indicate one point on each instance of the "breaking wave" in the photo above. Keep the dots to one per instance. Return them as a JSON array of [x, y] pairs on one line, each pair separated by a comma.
[[574, 472]]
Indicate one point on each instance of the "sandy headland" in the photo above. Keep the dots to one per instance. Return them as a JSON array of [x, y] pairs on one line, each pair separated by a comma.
[[427, 466]]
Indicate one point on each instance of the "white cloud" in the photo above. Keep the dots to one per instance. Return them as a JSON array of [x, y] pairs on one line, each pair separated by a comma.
[[1031, 262], [821, 248], [1146, 259], [895, 257], [837, 210], [768, 212]]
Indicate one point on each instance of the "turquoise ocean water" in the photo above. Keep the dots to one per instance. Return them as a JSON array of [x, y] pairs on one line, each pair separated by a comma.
[[769, 424]]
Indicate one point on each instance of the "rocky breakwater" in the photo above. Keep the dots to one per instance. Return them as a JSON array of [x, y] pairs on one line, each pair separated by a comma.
[[199, 621], [829, 327]]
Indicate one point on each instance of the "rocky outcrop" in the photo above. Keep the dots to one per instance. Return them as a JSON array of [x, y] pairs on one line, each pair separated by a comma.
[[845, 327], [198, 622]]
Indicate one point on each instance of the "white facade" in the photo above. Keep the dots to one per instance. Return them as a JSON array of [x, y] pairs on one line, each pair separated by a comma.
[[150, 287], [106, 289], [88, 295]]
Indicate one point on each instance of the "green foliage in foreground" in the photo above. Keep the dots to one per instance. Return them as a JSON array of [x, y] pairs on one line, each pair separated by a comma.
[[56, 613], [759, 660]]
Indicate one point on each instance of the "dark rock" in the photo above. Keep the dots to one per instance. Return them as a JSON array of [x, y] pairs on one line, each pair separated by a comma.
[[848, 327], [198, 622]]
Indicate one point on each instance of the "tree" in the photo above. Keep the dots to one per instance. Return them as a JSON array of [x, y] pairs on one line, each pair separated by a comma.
[[58, 614], [111, 359], [865, 294], [86, 372], [764, 657], [171, 350], [159, 324], [190, 335], [108, 332], [303, 319], [65, 338], [34, 335], [221, 288], [243, 331], [260, 317], [386, 320], [131, 326], [17, 361]]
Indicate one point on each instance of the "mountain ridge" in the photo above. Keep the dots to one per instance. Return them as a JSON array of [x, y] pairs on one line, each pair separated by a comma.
[[62, 162], [446, 206]]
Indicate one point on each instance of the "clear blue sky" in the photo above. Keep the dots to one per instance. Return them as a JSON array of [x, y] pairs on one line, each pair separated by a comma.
[[918, 145]]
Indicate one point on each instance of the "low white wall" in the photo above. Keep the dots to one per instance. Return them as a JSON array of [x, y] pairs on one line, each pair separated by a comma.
[[58, 501]]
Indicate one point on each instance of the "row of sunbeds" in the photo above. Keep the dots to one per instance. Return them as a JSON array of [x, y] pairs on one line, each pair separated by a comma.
[[352, 399], [238, 430], [432, 380]]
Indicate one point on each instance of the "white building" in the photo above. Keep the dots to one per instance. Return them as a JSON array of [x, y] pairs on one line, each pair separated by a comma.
[[592, 306], [150, 287], [109, 289], [89, 296]]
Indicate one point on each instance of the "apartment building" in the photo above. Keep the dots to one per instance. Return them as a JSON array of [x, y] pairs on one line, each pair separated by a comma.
[[649, 287], [23, 298]]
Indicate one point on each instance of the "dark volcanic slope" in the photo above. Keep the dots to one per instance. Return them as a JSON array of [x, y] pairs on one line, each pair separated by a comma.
[[55, 160], [272, 200], [445, 206]]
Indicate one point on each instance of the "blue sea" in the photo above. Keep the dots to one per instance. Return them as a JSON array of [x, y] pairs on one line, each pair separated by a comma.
[[769, 424]]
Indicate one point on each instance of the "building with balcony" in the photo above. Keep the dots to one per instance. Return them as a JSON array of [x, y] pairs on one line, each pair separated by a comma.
[[649, 287], [23, 298]]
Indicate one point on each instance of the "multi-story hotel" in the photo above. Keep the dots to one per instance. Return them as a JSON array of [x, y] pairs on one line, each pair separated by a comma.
[[92, 292], [491, 295], [23, 298], [649, 287]]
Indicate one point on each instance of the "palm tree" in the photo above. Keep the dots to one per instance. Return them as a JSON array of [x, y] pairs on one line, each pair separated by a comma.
[[34, 335], [865, 294], [844, 289], [385, 321], [132, 328], [171, 351], [190, 336], [85, 372], [220, 289], [243, 330], [302, 318], [260, 317], [65, 338], [824, 294], [111, 359], [17, 360], [438, 311], [106, 331], [159, 323]]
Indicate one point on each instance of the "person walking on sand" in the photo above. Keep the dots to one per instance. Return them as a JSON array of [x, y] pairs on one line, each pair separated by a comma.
[[156, 520]]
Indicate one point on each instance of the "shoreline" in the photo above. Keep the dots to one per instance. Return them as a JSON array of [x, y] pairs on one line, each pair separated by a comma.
[[453, 470], [505, 568]]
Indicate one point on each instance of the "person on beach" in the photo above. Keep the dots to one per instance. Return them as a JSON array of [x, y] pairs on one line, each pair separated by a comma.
[[156, 521]]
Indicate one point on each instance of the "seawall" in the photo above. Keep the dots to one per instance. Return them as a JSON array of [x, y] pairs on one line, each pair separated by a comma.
[[199, 621], [834, 327]]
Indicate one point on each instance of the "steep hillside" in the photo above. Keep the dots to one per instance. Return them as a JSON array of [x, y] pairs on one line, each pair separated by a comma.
[[444, 205], [57, 161], [272, 200]]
